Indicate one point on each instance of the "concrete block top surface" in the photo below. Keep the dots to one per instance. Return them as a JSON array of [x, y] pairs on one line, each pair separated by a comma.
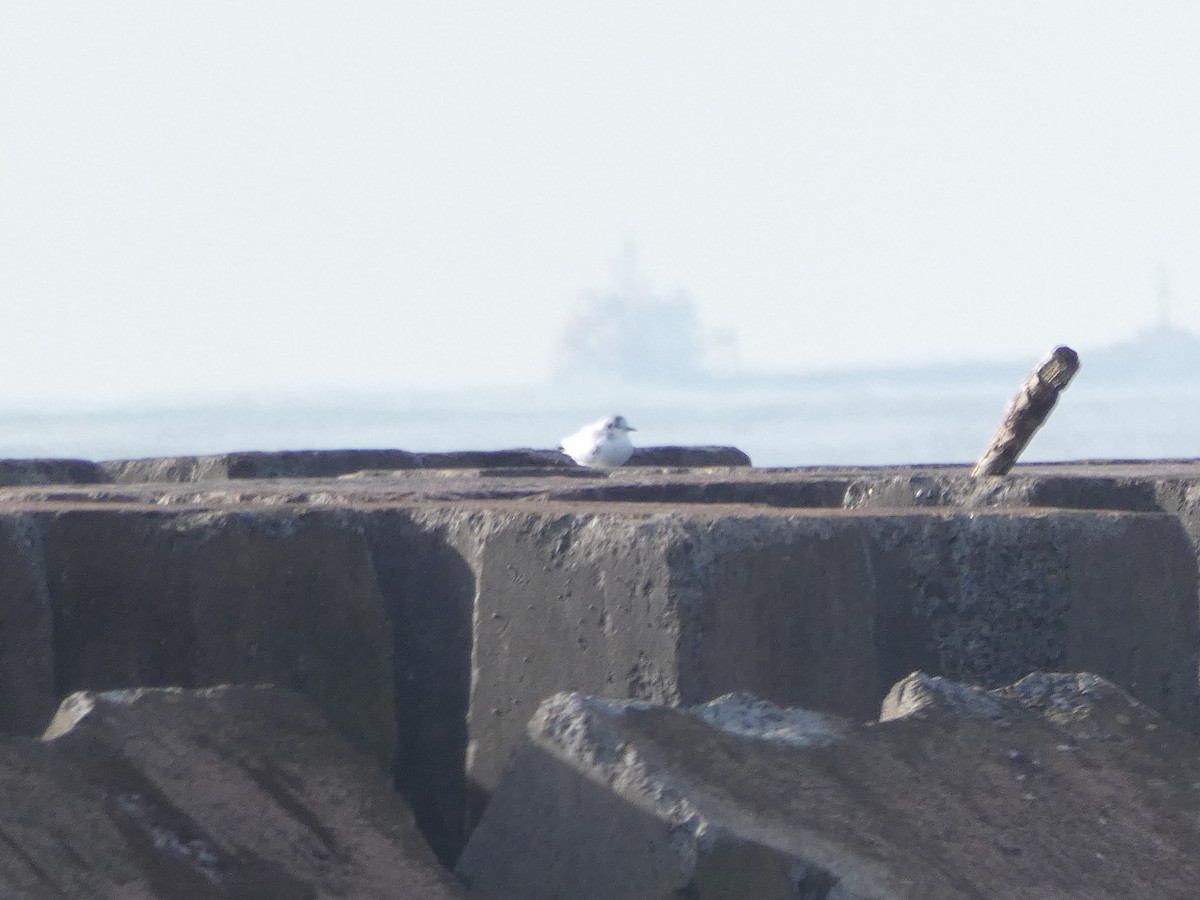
[[688, 478]]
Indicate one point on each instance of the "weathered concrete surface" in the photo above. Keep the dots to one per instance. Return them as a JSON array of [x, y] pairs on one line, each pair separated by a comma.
[[237, 793], [824, 610], [49, 471], [99, 598], [330, 463], [280, 464], [1060, 786], [428, 612], [28, 689], [693, 457]]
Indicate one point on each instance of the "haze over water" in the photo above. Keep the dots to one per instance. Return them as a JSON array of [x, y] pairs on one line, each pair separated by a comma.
[[250, 199], [1117, 408]]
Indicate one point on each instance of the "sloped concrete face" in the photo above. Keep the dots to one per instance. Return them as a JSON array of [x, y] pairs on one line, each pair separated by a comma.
[[1060, 786], [821, 610], [237, 793]]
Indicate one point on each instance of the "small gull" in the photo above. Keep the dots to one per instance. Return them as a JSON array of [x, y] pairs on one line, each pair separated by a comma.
[[602, 445]]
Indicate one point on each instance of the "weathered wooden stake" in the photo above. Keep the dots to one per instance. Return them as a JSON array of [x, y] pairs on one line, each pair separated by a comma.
[[1028, 411]]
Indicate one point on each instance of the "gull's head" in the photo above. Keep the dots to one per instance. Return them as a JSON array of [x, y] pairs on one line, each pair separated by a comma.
[[617, 423]]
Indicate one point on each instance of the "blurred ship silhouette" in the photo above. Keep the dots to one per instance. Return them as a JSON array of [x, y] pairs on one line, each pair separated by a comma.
[[629, 334]]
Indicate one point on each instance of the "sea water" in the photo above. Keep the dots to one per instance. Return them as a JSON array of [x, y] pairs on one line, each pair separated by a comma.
[[849, 422]]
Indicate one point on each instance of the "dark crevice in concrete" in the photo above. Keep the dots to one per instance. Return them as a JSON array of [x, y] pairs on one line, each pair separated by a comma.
[[429, 591]]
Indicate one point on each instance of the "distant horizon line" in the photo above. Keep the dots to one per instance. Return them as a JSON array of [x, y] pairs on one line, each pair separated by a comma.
[[554, 386]]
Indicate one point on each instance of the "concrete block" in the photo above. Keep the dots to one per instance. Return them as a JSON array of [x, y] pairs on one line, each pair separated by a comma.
[[824, 610], [693, 457], [257, 464], [1060, 786], [28, 693], [430, 611], [50, 471], [150, 597], [250, 465], [231, 792], [568, 601]]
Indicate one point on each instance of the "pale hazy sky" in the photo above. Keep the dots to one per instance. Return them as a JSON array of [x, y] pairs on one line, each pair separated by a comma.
[[205, 196]]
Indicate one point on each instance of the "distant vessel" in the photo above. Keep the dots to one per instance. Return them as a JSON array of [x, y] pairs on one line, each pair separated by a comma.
[[1164, 353], [631, 333]]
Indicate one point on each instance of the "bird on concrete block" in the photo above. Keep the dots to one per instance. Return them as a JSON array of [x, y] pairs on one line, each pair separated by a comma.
[[601, 445]]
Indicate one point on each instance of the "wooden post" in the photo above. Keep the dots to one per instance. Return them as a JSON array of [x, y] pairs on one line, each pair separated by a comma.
[[1028, 411]]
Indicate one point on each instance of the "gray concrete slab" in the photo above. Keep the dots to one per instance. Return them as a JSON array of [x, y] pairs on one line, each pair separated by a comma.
[[1060, 786], [429, 611], [234, 792], [824, 611]]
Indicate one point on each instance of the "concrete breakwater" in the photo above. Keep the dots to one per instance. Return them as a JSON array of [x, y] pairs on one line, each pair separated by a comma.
[[429, 611]]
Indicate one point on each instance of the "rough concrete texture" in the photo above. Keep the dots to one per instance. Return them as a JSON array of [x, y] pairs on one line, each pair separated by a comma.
[[1060, 786], [330, 463], [49, 471], [98, 598], [28, 688], [820, 610], [238, 793], [429, 611]]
